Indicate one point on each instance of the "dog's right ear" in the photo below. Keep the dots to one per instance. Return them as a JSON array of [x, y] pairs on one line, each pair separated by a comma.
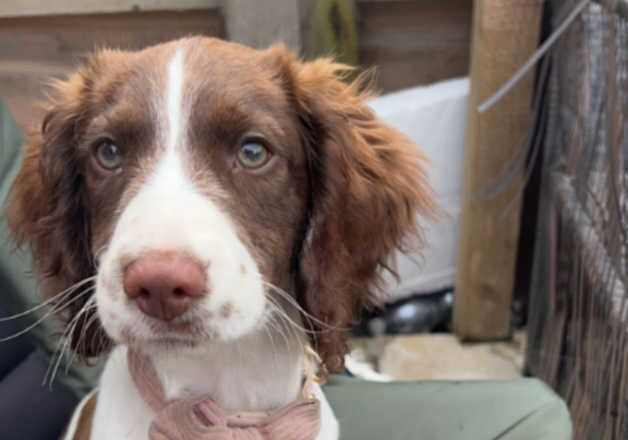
[[47, 203]]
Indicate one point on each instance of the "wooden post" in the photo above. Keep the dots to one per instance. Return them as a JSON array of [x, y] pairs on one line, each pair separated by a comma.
[[505, 34]]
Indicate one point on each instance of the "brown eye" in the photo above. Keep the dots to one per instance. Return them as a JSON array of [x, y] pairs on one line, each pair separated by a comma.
[[108, 155], [253, 155]]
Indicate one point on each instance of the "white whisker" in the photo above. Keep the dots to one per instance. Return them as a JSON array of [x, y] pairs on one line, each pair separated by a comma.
[[293, 324], [277, 326], [63, 294], [272, 346], [86, 326], [65, 338], [40, 320], [311, 318]]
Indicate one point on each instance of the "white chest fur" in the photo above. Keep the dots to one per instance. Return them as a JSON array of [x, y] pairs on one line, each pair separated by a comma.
[[238, 378]]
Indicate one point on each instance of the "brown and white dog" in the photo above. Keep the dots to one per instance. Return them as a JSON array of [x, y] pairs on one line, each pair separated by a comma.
[[227, 205]]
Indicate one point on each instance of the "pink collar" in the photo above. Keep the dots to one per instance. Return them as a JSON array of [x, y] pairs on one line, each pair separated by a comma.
[[200, 418]]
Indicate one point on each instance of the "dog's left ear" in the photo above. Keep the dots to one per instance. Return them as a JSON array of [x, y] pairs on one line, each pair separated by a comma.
[[368, 184]]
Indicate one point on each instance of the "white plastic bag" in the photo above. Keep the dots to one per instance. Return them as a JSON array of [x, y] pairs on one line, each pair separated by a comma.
[[434, 117]]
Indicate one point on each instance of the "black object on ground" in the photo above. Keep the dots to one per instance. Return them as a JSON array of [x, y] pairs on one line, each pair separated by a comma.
[[420, 313]]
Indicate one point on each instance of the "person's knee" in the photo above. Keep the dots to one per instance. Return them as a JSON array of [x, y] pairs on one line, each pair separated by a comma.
[[547, 419]]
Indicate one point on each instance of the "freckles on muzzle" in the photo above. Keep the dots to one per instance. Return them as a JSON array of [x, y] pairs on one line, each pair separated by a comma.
[[165, 285]]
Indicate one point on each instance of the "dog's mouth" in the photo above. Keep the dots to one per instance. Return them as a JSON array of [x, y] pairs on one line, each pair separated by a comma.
[[183, 327], [188, 332]]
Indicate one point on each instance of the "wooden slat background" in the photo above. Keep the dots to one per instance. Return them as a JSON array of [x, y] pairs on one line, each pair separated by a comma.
[[409, 41], [415, 41], [35, 49], [22, 8]]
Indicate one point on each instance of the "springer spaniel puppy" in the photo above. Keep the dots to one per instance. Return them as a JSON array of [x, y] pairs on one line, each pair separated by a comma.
[[209, 212]]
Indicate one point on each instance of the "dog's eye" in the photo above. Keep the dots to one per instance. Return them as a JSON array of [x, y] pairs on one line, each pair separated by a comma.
[[253, 155], [108, 155]]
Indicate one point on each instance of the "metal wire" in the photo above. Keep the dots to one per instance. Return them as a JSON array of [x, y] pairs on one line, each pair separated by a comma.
[[578, 328]]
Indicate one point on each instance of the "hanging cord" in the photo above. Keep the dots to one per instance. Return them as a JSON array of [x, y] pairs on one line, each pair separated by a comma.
[[502, 182], [529, 148], [542, 50]]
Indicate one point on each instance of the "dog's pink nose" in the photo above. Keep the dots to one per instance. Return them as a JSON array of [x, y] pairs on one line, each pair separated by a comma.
[[164, 285]]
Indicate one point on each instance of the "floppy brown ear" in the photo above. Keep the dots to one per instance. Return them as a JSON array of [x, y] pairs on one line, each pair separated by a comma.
[[47, 209], [368, 184]]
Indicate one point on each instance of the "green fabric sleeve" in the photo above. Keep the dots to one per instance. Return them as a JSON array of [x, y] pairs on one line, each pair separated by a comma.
[[17, 285], [524, 409]]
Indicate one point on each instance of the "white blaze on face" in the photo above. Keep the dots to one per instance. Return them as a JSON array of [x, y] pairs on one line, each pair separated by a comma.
[[174, 97], [169, 213]]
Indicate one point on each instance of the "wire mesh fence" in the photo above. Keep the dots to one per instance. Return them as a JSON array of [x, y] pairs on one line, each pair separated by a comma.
[[579, 299]]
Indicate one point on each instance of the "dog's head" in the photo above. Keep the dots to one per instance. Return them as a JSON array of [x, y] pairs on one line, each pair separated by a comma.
[[195, 181]]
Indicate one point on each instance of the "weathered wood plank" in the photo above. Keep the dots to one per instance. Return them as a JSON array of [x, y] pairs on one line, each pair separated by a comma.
[[414, 42], [24, 8], [505, 34], [262, 23], [34, 50]]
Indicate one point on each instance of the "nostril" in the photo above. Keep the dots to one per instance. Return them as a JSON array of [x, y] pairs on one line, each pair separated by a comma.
[[179, 292], [143, 293]]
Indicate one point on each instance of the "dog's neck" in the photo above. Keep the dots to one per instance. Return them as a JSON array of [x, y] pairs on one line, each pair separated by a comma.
[[259, 372]]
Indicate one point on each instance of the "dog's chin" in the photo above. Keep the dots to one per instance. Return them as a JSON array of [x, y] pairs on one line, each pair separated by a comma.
[[180, 336]]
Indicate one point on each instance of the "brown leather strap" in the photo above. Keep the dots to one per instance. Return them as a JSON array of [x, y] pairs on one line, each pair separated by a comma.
[[83, 427]]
